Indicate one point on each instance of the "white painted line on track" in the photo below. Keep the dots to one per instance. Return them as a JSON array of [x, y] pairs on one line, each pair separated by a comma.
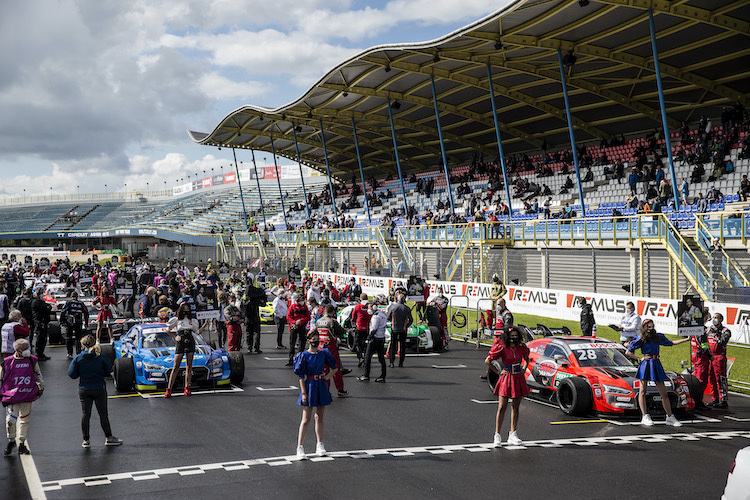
[[415, 451], [491, 401], [446, 367], [737, 419], [202, 392], [32, 476], [268, 358], [287, 388]]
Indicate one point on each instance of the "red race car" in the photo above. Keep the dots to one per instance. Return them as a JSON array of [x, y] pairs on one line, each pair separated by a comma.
[[584, 374]]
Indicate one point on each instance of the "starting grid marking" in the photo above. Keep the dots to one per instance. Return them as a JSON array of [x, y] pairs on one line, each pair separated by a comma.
[[387, 452]]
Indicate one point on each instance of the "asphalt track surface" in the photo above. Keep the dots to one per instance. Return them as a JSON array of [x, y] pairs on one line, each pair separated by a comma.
[[425, 433]]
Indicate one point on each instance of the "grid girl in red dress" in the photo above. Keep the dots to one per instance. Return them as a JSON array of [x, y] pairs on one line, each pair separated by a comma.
[[509, 357]]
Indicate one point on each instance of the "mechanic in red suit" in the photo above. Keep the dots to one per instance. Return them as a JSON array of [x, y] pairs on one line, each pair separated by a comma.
[[362, 322], [718, 338], [700, 356], [297, 318], [509, 357], [441, 302]]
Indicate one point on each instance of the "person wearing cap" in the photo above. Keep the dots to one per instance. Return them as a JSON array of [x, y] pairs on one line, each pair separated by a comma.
[[297, 317], [75, 316], [280, 310], [21, 384], [92, 369], [352, 290]]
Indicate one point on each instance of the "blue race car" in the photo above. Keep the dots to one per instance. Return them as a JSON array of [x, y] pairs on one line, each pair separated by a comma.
[[143, 359]]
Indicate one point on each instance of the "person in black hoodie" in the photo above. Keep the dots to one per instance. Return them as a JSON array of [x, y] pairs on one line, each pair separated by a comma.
[[92, 368], [24, 305], [587, 318], [253, 300], [40, 312]]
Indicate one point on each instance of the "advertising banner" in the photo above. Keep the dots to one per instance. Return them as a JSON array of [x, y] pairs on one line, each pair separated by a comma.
[[207, 182], [246, 175], [561, 304], [230, 178], [218, 180]]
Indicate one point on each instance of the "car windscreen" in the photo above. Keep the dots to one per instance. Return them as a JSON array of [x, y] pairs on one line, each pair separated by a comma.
[[157, 339], [589, 355]]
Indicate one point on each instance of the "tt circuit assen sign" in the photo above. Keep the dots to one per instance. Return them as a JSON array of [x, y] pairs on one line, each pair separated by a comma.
[[561, 304]]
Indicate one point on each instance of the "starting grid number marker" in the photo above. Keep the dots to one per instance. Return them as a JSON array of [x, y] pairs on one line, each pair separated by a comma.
[[393, 452]]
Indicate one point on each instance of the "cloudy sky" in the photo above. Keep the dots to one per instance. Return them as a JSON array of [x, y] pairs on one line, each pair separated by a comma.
[[96, 92]]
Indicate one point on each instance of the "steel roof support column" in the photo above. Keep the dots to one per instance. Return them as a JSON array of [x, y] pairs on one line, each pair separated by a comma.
[[328, 170], [361, 172], [278, 181], [570, 131], [499, 142], [260, 193], [398, 162], [665, 125], [242, 198], [442, 145], [301, 175]]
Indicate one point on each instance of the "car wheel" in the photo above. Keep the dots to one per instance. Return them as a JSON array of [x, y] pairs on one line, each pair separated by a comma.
[[694, 386], [351, 340], [236, 367], [492, 378], [54, 333], [124, 374], [437, 344], [574, 396], [109, 351]]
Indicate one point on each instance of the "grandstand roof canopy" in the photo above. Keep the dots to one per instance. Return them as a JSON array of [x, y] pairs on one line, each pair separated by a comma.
[[704, 53]]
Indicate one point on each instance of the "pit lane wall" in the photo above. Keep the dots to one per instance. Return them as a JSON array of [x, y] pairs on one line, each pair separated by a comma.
[[561, 304]]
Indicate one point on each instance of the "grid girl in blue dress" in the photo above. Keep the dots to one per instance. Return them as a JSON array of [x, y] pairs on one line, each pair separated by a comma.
[[651, 370], [310, 366]]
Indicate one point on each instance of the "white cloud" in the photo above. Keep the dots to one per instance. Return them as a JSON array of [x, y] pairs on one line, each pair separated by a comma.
[[104, 91]]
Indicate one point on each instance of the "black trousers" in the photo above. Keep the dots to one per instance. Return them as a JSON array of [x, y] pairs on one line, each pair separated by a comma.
[[221, 332], [296, 335], [88, 399], [398, 344], [375, 345], [280, 326], [40, 332], [252, 331], [74, 335], [360, 343]]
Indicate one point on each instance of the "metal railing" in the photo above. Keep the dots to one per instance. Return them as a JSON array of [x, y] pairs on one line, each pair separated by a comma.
[[408, 258], [133, 195], [729, 270]]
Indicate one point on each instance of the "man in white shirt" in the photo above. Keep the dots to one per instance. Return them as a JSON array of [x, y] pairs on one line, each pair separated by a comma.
[[375, 341], [630, 324], [280, 310]]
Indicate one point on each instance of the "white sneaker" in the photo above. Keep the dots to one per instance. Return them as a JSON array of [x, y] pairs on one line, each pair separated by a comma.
[[672, 420], [320, 450], [646, 420], [498, 441], [514, 440], [301, 452]]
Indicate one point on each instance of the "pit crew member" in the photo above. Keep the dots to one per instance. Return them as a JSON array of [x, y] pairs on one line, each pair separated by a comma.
[[718, 338]]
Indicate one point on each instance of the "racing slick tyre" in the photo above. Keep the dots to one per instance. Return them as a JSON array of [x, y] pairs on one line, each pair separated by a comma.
[[694, 386], [109, 351], [124, 374], [437, 344], [492, 378], [236, 367], [574, 396], [351, 339], [54, 333]]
